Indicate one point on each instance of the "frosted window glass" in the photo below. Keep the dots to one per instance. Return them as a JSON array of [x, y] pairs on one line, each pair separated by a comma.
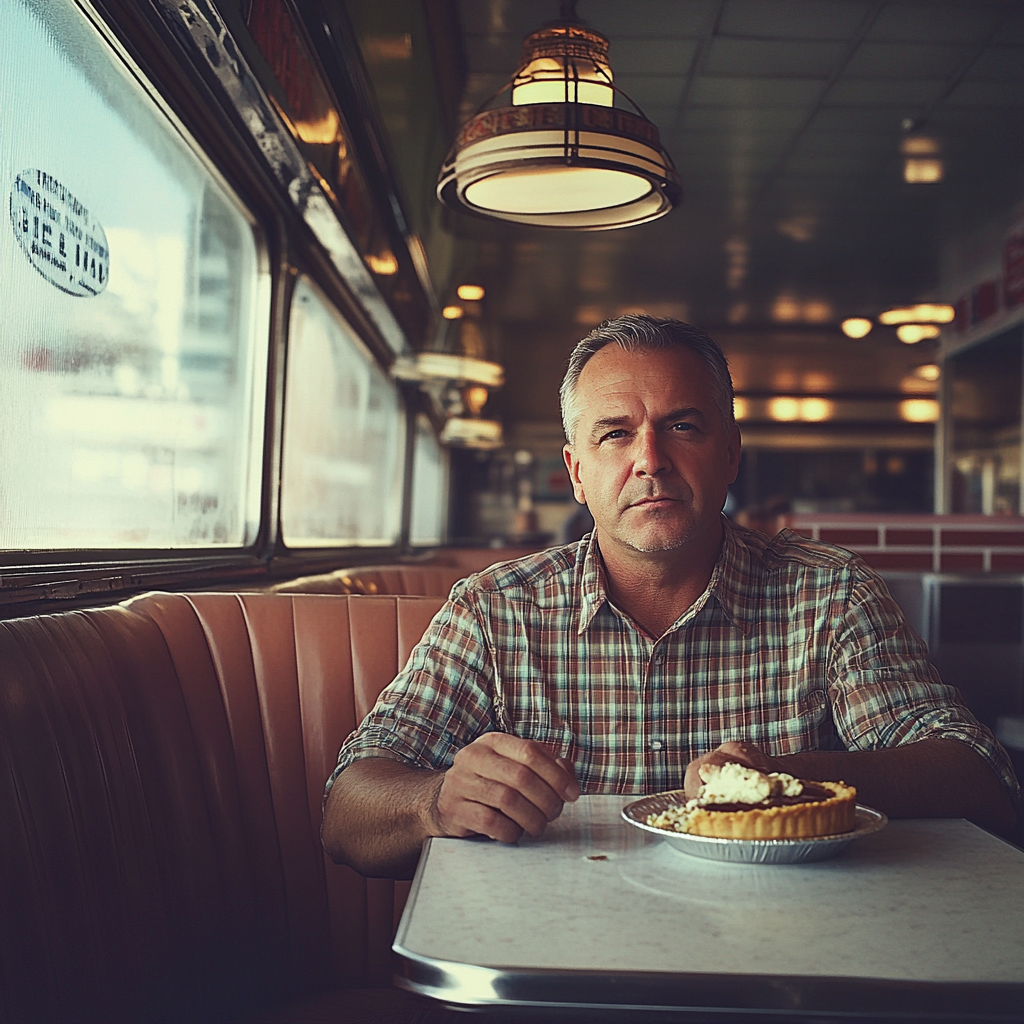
[[343, 434], [429, 487], [129, 285]]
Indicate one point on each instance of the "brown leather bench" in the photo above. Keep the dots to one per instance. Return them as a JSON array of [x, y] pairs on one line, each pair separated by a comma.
[[434, 578], [160, 796]]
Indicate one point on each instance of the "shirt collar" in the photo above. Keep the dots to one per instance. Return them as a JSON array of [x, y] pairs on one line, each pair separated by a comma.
[[593, 583], [729, 582]]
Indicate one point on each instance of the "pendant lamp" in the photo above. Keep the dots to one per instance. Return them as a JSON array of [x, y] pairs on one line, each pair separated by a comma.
[[565, 152]]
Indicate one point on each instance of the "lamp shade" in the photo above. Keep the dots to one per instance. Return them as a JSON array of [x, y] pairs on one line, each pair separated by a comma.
[[561, 154]]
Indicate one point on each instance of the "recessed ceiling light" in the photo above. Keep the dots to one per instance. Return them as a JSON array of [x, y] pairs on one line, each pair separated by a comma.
[[922, 313], [919, 410], [784, 409], [814, 410], [922, 170], [786, 309], [919, 145], [911, 334], [856, 327]]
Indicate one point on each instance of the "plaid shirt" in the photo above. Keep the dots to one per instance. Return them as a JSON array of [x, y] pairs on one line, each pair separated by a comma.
[[795, 645]]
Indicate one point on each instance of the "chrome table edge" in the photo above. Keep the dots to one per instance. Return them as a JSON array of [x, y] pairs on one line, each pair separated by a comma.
[[472, 986]]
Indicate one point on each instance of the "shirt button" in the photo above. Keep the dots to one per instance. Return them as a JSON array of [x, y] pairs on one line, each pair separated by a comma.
[[656, 745]]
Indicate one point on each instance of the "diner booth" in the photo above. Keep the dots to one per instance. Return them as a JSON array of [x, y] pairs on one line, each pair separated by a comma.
[[279, 362]]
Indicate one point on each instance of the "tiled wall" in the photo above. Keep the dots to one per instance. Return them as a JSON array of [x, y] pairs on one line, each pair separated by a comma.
[[921, 543]]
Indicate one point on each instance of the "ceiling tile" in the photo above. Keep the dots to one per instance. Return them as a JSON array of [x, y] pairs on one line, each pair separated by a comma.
[[986, 94], [754, 57], [487, 16], [999, 122], [869, 91], [935, 23], [754, 92], [652, 90], [494, 54], [662, 116], [999, 64], [652, 18], [753, 156], [792, 19], [861, 120], [906, 60], [652, 56], [1012, 29], [479, 89], [742, 121], [820, 143], [831, 163]]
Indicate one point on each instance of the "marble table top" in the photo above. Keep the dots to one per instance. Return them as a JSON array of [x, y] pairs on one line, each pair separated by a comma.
[[924, 913]]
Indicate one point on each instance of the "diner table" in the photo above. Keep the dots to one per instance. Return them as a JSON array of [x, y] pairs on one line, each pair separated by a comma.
[[920, 920]]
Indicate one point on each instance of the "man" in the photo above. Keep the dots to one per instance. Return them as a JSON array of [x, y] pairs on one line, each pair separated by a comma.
[[667, 639]]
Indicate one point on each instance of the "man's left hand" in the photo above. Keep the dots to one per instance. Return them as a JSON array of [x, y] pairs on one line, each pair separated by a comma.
[[740, 753]]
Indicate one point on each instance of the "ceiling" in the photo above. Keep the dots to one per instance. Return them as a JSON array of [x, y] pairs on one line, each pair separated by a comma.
[[784, 119]]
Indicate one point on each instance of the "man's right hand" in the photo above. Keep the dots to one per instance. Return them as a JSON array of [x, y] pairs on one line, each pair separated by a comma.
[[502, 786]]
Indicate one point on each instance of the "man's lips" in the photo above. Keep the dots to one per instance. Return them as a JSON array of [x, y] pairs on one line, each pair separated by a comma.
[[660, 499]]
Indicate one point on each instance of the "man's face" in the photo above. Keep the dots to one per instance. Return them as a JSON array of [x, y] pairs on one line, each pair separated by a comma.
[[653, 457]]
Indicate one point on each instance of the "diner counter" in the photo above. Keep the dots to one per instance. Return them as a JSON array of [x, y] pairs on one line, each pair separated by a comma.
[[925, 917]]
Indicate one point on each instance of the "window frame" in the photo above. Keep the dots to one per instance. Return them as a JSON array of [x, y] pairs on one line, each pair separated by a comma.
[[287, 247]]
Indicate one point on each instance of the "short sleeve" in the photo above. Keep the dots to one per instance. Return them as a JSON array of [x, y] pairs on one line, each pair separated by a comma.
[[438, 703], [883, 689]]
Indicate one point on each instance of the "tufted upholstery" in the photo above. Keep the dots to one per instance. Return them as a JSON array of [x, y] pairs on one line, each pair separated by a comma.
[[434, 578], [162, 771]]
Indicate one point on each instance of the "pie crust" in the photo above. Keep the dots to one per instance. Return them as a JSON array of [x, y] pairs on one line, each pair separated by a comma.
[[828, 817]]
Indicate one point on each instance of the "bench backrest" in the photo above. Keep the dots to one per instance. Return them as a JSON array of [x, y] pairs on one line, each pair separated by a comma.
[[160, 797], [434, 578]]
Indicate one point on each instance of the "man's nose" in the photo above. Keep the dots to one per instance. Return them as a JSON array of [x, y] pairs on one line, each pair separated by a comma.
[[649, 456]]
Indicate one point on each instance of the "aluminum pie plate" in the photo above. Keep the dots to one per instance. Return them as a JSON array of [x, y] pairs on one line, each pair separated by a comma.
[[749, 851]]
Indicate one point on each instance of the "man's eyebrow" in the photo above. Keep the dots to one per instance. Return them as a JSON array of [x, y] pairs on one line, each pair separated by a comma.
[[607, 422], [688, 413]]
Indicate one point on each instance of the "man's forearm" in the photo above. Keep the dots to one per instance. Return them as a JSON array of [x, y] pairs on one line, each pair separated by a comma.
[[935, 778], [378, 813]]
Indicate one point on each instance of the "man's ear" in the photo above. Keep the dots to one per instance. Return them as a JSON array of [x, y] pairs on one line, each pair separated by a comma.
[[573, 465]]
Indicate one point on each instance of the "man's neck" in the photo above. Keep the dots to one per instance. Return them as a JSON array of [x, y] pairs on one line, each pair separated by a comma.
[[656, 588]]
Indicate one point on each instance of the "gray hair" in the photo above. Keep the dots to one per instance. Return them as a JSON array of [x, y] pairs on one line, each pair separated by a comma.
[[639, 331]]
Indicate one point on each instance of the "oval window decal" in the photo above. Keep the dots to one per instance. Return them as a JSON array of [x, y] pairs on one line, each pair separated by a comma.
[[62, 240]]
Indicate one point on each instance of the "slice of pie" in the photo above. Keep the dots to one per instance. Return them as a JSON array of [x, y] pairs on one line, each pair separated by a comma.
[[737, 802]]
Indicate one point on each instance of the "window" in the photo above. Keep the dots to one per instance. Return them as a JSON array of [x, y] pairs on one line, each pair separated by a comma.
[[344, 434], [429, 487], [135, 313]]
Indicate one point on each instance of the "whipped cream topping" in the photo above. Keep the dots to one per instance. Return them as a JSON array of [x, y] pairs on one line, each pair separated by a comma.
[[736, 784]]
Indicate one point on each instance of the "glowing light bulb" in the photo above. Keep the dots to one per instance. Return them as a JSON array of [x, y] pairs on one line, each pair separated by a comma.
[[856, 327], [911, 334], [784, 410], [922, 313], [919, 410]]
